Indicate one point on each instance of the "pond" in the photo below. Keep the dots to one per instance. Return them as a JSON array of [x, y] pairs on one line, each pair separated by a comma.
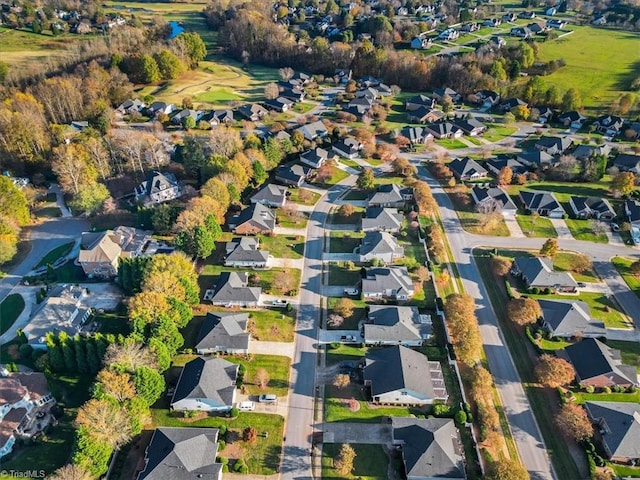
[[176, 29]]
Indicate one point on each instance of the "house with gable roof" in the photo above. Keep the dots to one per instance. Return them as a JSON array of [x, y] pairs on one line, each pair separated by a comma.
[[244, 252], [381, 246], [381, 219], [543, 203], [390, 195], [232, 290], [569, 319], [387, 282], [467, 169], [396, 325], [598, 365], [618, 428], [158, 188], [224, 333], [537, 272], [207, 385], [271, 195], [256, 218]]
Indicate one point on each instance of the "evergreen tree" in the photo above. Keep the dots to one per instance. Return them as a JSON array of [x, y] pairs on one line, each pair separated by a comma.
[[80, 346], [56, 359]]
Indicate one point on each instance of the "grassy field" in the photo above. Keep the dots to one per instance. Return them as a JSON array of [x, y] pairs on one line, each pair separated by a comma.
[[581, 230], [10, 309], [536, 226], [623, 265], [564, 261], [262, 457], [344, 242], [55, 254], [282, 246], [21, 48], [339, 275], [277, 366], [451, 143], [371, 462], [599, 63], [472, 221], [294, 196]]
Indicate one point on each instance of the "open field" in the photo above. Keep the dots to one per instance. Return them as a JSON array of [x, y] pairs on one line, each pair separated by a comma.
[[21, 48], [600, 63]]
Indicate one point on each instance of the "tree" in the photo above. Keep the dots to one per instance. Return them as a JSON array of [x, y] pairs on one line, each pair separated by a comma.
[[250, 434], [149, 384], [622, 184], [572, 420], [343, 463], [402, 167], [521, 112], [554, 372], [346, 210], [523, 311], [505, 176], [130, 356], [191, 45], [481, 385], [344, 307], [192, 153], [72, 167], [635, 268], [500, 266], [571, 100], [271, 91], [581, 263], [549, 248], [90, 198], [105, 422], [507, 469], [13, 202], [341, 380], [117, 385], [169, 65], [459, 312], [261, 378], [422, 273], [188, 123], [365, 179], [90, 453], [70, 472], [217, 190], [9, 234], [284, 282]]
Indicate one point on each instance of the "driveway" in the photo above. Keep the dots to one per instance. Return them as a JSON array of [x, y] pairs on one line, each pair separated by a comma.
[[514, 227], [367, 433], [561, 228], [102, 296], [331, 336], [285, 349]]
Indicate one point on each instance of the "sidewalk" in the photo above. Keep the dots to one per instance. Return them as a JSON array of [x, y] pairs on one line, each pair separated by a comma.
[[55, 188]]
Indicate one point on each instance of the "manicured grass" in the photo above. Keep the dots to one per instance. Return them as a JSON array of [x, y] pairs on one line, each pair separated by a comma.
[[625, 471], [350, 323], [55, 254], [303, 107], [355, 218], [337, 411], [282, 246], [564, 261], [208, 273], [472, 221], [344, 242], [48, 212], [371, 462], [536, 226], [262, 457], [337, 175], [389, 178], [581, 230], [630, 352], [339, 275], [344, 353], [295, 193], [10, 309], [350, 163], [564, 190], [273, 324], [623, 265], [474, 140], [451, 143], [356, 194], [112, 323], [552, 345], [277, 366], [597, 63], [283, 220], [582, 397], [498, 132]]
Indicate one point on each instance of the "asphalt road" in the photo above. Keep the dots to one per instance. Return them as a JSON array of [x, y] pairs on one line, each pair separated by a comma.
[[296, 462]]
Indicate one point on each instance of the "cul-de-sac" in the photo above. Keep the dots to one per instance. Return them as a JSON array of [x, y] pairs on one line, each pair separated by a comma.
[[320, 239]]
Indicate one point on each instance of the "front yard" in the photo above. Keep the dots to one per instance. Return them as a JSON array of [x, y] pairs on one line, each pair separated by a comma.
[[266, 278], [473, 221], [623, 265], [536, 226], [337, 406], [303, 196], [341, 275], [269, 325], [350, 323], [582, 230], [282, 246], [277, 366], [10, 309], [287, 218], [344, 242], [371, 462]]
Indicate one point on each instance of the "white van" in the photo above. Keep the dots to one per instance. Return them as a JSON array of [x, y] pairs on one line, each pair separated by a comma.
[[267, 398], [246, 406]]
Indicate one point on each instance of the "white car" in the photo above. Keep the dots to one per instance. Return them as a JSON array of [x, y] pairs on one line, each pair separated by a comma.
[[267, 398], [351, 291], [280, 303], [246, 406]]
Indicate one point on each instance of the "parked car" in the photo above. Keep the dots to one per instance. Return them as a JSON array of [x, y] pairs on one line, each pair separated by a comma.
[[280, 303], [246, 406], [351, 291], [267, 398], [348, 338]]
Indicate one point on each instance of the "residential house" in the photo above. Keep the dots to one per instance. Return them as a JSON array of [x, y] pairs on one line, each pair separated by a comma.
[[584, 152], [390, 195], [254, 219], [425, 115], [538, 273], [280, 104], [545, 114], [301, 78], [158, 188], [471, 126], [359, 111], [488, 98], [219, 117], [617, 428], [556, 23], [421, 42], [381, 246], [416, 135], [610, 125], [632, 211], [509, 17], [492, 22], [554, 145], [294, 175], [598, 365], [495, 165], [539, 28], [398, 375], [536, 158], [527, 15], [470, 27], [158, 108], [343, 75], [271, 195], [381, 219], [496, 196], [466, 169], [551, 11], [449, 34], [243, 252], [224, 333], [592, 207], [315, 158], [313, 131], [24, 396], [569, 319], [387, 282], [394, 325], [179, 116], [206, 384], [232, 290], [440, 93], [62, 310], [442, 130], [599, 21], [431, 448], [182, 453], [419, 101], [632, 131], [497, 41], [572, 119], [626, 162], [253, 112], [508, 104], [347, 147], [130, 106], [543, 203]]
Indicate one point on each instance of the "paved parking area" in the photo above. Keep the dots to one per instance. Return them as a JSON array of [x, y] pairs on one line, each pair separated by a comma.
[[368, 433]]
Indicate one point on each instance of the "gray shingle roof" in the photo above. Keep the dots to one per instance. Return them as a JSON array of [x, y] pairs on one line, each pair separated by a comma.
[[570, 318], [595, 204], [496, 164], [430, 447], [270, 193], [384, 218], [313, 130], [212, 378], [224, 330], [620, 422], [292, 173], [388, 193], [156, 182], [393, 323], [536, 201], [387, 278], [559, 143], [539, 273], [396, 368], [232, 287], [182, 454], [466, 167], [378, 243], [260, 214], [626, 161], [535, 158], [246, 251], [591, 358], [495, 193]]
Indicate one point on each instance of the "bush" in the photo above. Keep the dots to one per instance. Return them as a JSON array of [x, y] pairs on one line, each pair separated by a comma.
[[225, 468], [548, 291], [534, 290], [233, 413], [509, 288], [334, 345], [240, 465], [606, 390], [632, 389], [222, 430], [460, 417], [223, 460], [618, 388], [441, 410], [222, 444]]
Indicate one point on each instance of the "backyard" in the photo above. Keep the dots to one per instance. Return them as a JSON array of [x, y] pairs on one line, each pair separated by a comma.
[[291, 218], [303, 196]]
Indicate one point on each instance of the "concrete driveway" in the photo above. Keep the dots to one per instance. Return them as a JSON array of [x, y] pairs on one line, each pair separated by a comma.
[[367, 433], [103, 296], [514, 227], [331, 336], [285, 349], [561, 228]]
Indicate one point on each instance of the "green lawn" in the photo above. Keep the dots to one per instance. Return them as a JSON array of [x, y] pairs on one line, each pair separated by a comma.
[[339, 275], [262, 457], [334, 218], [630, 352], [564, 261], [356, 194], [371, 462], [217, 95], [344, 353], [209, 274], [10, 309], [598, 63], [350, 163], [582, 397], [282, 246], [581, 230], [286, 221], [270, 325], [498, 132], [309, 197], [536, 226], [337, 175], [350, 323], [625, 471], [55, 254], [623, 265], [451, 143], [277, 366], [552, 345], [564, 190], [336, 409], [344, 242], [472, 221]]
